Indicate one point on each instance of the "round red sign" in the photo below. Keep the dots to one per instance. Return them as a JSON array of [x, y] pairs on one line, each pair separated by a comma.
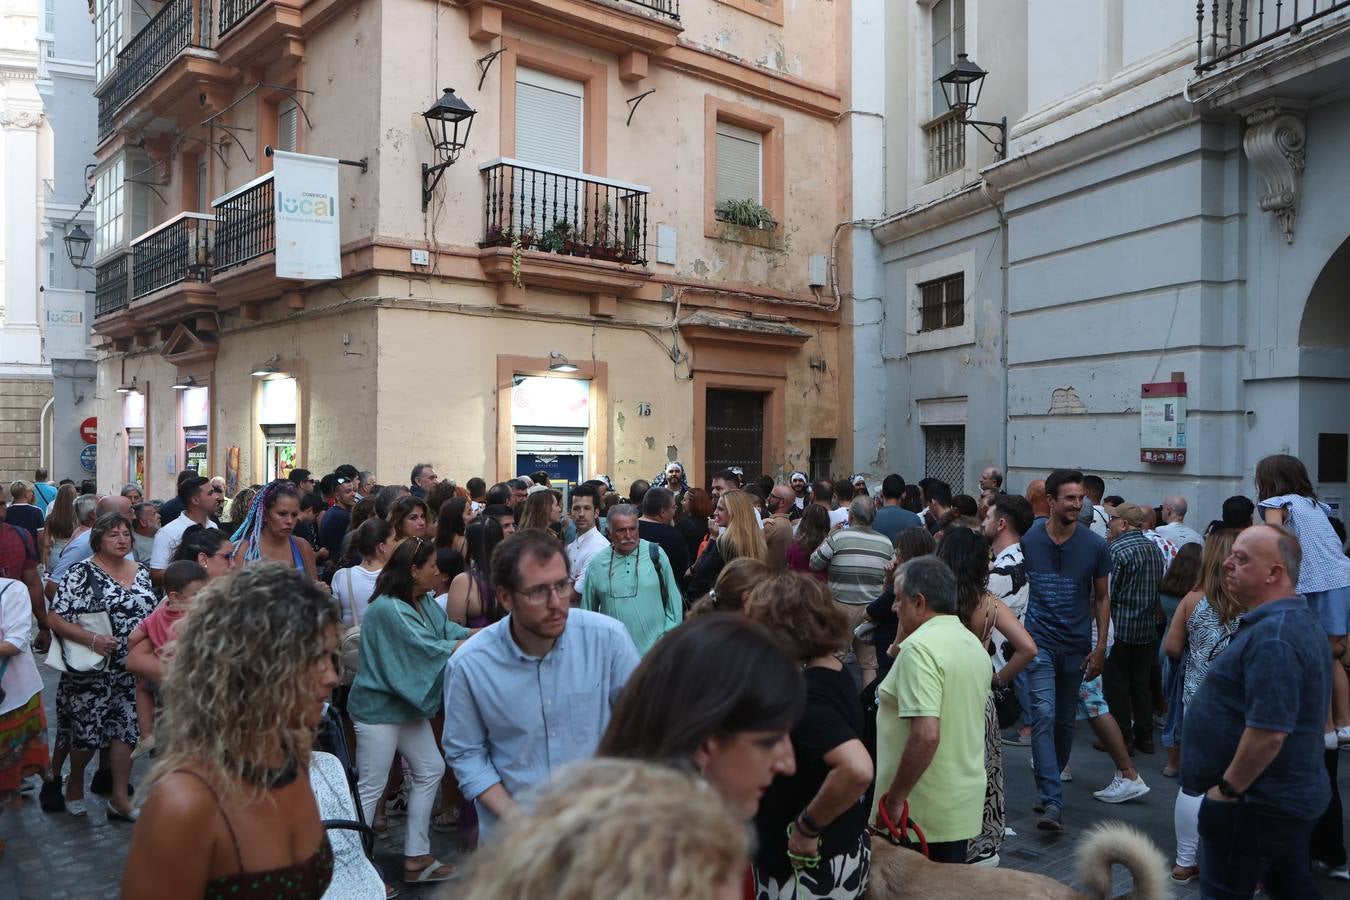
[[89, 430]]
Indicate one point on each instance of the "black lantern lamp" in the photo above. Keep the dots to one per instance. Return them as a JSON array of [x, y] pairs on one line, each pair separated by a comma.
[[77, 246], [443, 123], [961, 86]]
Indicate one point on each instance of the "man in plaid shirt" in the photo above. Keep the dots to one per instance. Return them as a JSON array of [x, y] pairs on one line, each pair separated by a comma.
[[1136, 569]]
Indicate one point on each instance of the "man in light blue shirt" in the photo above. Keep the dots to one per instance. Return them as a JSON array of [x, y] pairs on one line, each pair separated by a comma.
[[533, 692], [78, 550]]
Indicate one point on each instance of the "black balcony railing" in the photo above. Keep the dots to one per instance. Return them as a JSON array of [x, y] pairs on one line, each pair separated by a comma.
[[561, 212], [111, 286], [168, 33], [177, 251], [1229, 29], [668, 8], [245, 224], [232, 12]]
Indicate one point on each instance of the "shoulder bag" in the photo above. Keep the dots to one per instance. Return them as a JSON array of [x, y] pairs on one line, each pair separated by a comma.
[[660, 577], [349, 645], [74, 657]]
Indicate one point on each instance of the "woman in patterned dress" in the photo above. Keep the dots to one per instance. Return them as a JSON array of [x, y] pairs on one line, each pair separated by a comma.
[[23, 724], [98, 709]]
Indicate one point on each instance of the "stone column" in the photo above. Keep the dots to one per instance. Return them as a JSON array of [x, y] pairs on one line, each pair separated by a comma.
[[21, 336]]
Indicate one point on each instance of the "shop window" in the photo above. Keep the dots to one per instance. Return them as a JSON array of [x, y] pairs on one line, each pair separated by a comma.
[[277, 403], [195, 420]]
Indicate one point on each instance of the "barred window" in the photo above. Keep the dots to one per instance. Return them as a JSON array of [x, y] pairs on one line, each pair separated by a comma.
[[942, 303], [944, 449]]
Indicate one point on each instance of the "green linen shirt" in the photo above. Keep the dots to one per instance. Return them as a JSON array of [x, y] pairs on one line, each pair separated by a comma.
[[628, 588], [404, 649]]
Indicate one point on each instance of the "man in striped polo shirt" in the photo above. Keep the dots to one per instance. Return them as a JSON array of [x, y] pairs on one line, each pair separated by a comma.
[[856, 558]]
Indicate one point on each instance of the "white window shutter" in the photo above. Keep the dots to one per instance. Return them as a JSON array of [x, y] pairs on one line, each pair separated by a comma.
[[739, 162], [549, 120], [288, 123]]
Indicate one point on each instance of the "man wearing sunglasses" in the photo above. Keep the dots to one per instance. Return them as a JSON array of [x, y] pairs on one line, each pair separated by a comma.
[[532, 692], [1067, 568]]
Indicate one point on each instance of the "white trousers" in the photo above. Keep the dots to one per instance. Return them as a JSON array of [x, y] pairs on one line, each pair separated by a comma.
[[1186, 821], [375, 749]]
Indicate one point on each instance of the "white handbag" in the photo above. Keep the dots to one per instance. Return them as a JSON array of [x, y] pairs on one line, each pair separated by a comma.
[[68, 656]]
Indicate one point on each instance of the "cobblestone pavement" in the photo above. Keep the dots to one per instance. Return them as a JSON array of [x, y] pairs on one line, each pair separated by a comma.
[[58, 856]]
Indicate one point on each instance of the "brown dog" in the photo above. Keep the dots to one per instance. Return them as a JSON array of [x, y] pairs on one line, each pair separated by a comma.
[[897, 872]]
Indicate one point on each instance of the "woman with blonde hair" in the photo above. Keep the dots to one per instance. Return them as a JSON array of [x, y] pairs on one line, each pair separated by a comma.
[[618, 829], [1204, 623], [59, 526], [739, 535], [230, 810], [734, 584], [815, 810]]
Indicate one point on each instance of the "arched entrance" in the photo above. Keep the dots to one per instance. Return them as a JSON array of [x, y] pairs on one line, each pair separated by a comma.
[[1324, 391]]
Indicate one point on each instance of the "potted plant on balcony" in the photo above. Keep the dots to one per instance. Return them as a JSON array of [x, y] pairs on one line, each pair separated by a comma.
[[600, 239], [527, 238], [746, 214], [557, 238], [497, 236], [632, 246]]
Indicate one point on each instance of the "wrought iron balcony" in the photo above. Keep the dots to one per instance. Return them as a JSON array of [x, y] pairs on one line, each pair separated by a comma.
[[232, 12], [179, 24], [668, 8], [111, 285], [568, 213], [1226, 31], [245, 224], [178, 250]]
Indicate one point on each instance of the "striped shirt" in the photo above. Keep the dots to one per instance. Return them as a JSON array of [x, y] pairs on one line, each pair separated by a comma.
[[856, 561]]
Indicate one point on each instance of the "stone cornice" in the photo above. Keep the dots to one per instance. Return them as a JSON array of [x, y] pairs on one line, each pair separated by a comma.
[[951, 208], [1143, 122]]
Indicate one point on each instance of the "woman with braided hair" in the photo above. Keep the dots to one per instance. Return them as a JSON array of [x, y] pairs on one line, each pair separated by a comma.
[[267, 530]]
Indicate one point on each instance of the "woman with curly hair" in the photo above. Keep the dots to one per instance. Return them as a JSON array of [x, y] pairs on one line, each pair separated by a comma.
[[409, 516], [230, 811], [740, 536], [621, 830], [815, 811], [267, 531], [238, 509]]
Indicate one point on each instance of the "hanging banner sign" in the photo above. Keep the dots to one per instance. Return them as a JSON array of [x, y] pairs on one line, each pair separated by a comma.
[[305, 190]]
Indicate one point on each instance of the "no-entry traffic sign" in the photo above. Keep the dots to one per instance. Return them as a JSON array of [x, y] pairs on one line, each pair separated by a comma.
[[89, 430]]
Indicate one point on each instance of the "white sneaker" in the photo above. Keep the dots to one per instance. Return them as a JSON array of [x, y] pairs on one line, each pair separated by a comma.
[[1342, 736], [1331, 740], [1066, 775], [1122, 789]]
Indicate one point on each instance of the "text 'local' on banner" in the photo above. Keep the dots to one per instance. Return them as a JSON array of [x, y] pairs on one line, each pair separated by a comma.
[[307, 237]]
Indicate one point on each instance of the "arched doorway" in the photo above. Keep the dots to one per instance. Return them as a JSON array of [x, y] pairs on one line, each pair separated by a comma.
[[1324, 393]]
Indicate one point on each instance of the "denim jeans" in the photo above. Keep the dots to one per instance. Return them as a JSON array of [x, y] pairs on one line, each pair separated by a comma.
[[1051, 683], [1241, 845]]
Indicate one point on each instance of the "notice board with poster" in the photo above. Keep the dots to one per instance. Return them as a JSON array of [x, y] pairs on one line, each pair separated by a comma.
[[1162, 423]]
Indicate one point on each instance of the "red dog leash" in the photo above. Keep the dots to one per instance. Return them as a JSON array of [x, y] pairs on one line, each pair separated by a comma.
[[900, 834]]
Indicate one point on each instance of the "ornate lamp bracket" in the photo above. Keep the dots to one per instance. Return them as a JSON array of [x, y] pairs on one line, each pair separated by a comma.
[[1275, 142]]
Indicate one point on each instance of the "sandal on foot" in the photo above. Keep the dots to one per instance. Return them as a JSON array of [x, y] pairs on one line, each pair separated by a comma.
[[380, 825], [445, 821], [115, 815], [390, 892], [429, 873], [75, 807]]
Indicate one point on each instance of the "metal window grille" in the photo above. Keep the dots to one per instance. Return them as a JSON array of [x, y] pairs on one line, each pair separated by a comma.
[[734, 434], [822, 458], [944, 454], [942, 303]]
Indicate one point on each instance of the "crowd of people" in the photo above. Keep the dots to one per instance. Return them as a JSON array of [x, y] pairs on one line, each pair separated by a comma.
[[684, 691]]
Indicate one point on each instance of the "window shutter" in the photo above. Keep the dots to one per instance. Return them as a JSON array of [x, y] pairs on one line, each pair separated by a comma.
[[549, 115], [739, 152], [288, 121]]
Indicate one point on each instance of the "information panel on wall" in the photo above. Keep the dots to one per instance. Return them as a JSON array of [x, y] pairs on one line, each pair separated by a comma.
[[1162, 423]]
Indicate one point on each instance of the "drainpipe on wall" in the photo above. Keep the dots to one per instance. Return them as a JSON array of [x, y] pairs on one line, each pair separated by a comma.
[[997, 203], [45, 435]]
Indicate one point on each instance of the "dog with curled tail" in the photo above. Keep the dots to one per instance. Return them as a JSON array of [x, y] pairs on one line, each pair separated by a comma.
[[897, 872]]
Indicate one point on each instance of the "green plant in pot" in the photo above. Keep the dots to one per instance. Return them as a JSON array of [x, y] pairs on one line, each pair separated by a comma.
[[557, 238], [745, 213]]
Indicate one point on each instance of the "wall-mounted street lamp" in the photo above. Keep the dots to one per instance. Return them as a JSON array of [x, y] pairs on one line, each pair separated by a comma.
[[961, 86], [186, 384], [559, 363], [443, 121], [77, 243], [130, 387]]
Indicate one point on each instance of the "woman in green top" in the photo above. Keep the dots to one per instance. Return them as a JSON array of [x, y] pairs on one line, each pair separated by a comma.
[[406, 640]]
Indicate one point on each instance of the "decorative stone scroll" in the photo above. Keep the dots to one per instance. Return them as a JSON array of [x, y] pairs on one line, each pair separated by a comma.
[[1275, 141]]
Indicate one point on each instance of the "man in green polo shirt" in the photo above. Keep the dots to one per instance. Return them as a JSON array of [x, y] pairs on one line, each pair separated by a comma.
[[930, 716]]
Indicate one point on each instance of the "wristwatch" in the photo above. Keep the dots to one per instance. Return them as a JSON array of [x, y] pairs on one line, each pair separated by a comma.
[[1228, 790]]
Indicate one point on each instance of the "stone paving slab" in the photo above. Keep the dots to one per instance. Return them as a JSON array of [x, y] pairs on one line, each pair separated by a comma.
[[59, 857]]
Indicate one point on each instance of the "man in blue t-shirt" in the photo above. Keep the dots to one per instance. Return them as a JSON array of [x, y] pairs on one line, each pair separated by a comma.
[[892, 518], [1067, 567]]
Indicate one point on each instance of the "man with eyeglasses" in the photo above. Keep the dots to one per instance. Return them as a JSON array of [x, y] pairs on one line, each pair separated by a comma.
[[1067, 568], [532, 692], [631, 580]]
